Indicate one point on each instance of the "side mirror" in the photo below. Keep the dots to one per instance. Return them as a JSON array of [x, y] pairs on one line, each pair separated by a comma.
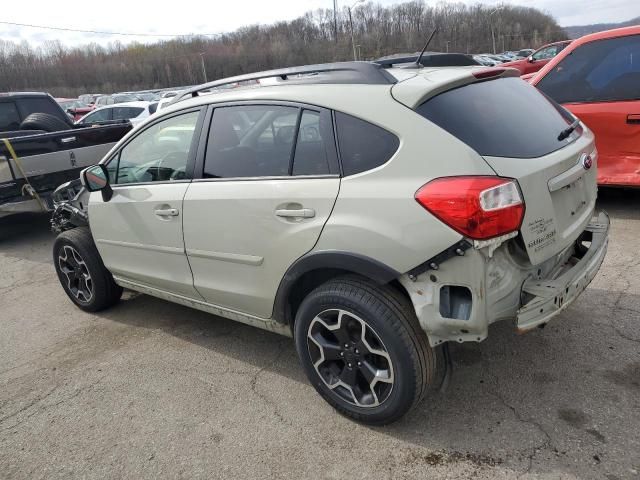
[[96, 178], [530, 59]]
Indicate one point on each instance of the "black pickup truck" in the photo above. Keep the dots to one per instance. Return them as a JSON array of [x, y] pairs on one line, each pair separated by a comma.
[[50, 149]]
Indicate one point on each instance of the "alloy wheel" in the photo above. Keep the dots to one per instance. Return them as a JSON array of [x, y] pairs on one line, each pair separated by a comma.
[[350, 358], [73, 267]]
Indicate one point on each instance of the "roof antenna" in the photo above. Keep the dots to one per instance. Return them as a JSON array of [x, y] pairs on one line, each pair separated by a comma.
[[435, 30]]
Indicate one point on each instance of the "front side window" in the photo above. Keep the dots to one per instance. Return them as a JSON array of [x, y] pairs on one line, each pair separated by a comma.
[[251, 141], [103, 115], [599, 71], [159, 153], [547, 53]]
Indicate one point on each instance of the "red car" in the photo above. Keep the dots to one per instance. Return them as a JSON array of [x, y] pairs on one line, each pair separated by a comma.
[[74, 107], [597, 78], [537, 59]]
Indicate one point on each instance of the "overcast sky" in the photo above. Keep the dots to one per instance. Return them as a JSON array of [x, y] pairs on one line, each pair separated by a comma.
[[195, 16]]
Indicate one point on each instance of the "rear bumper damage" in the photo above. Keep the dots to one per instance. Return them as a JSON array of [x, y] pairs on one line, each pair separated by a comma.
[[552, 295], [462, 296]]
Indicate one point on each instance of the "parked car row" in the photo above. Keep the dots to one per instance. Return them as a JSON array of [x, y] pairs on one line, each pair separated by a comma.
[[525, 61], [78, 108]]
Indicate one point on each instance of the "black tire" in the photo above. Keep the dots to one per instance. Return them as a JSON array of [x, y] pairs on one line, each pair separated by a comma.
[[103, 291], [44, 121], [415, 366]]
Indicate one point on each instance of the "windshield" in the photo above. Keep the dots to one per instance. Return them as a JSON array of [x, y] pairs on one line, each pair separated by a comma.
[[505, 117]]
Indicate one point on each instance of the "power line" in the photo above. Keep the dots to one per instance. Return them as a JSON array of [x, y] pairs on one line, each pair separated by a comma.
[[129, 34]]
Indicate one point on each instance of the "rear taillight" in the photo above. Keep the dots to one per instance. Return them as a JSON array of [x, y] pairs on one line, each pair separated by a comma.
[[478, 207]]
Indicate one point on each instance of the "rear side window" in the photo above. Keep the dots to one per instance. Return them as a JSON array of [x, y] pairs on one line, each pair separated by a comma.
[[269, 141], [250, 141], [505, 117], [600, 71], [312, 155], [125, 113], [39, 105], [363, 146], [9, 118]]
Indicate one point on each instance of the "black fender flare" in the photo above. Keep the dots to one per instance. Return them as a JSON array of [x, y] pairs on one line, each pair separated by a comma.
[[328, 259]]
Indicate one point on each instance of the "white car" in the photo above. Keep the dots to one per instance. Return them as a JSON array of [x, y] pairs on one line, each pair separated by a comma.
[[135, 112], [167, 97], [485, 60]]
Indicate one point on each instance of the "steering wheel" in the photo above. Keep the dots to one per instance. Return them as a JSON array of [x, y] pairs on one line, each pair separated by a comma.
[[178, 157]]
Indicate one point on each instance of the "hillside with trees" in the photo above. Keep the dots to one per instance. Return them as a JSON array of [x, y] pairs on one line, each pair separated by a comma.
[[578, 31], [312, 38]]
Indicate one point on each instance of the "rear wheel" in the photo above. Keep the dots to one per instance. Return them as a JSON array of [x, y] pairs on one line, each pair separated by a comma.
[[363, 350], [81, 272]]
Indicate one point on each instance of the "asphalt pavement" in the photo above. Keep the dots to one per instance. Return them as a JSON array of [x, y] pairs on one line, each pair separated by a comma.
[[149, 389]]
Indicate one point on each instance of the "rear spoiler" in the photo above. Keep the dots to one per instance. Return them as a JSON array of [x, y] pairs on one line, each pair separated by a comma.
[[430, 60]]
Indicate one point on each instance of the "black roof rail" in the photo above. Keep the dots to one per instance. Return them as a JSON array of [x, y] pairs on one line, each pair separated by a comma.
[[365, 73], [429, 59]]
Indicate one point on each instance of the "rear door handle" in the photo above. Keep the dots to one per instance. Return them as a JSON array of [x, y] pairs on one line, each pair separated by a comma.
[[167, 212], [633, 119], [296, 213]]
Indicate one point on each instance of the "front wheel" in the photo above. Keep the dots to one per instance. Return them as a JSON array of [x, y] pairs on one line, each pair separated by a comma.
[[83, 276], [362, 349]]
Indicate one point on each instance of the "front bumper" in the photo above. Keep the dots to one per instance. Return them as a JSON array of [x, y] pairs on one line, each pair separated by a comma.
[[551, 296]]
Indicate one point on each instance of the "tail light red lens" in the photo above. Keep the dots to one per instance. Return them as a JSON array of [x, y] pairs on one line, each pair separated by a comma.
[[478, 207]]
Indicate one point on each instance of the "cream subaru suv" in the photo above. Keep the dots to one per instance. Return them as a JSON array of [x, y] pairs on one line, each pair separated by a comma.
[[373, 214]]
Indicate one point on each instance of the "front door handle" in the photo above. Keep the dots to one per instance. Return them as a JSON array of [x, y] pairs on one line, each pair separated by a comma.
[[633, 119], [167, 212], [296, 213]]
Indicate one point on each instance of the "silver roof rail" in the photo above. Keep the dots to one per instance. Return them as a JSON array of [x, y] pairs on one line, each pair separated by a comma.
[[364, 73]]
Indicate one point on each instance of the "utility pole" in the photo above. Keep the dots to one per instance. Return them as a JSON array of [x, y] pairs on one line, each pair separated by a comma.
[[493, 34], [204, 69], [335, 20], [353, 43]]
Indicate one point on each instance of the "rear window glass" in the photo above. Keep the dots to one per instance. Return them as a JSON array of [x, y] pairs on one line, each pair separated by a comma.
[[39, 105], [600, 71], [363, 146], [506, 117], [9, 118]]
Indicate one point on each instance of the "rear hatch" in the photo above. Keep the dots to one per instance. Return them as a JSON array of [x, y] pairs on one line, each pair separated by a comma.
[[517, 130]]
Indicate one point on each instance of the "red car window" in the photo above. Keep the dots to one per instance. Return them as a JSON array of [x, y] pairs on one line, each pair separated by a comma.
[[600, 71]]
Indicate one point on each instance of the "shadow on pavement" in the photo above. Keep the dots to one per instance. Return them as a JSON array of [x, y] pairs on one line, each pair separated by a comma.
[[552, 395]]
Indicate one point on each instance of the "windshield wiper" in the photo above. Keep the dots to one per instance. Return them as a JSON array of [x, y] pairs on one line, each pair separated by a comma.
[[569, 130]]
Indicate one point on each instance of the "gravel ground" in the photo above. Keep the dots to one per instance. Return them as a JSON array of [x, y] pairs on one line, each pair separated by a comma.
[[150, 389]]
